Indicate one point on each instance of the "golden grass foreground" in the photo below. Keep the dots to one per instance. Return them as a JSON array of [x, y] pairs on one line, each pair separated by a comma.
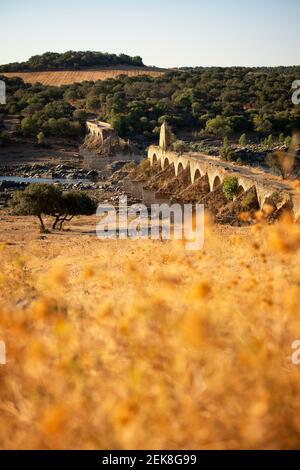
[[141, 344]]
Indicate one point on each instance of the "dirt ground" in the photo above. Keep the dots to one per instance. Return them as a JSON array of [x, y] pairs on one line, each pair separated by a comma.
[[16, 231], [28, 153]]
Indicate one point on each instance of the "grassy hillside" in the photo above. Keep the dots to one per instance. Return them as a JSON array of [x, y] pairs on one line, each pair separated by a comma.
[[206, 103]]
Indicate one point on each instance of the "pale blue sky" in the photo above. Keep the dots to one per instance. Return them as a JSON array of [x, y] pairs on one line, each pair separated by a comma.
[[164, 32]]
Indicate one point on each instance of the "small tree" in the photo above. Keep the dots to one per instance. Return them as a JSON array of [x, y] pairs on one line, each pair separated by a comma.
[[80, 115], [219, 126], [288, 141], [130, 166], [71, 204], [179, 146], [226, 151], [46, 199], [41, 138], [262, 124], [37, 200], [270, 141], [243, 140], [29, 126], [230, 187]]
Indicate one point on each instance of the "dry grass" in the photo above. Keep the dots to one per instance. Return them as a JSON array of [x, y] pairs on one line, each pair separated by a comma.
[[67, 77], [122, 344]]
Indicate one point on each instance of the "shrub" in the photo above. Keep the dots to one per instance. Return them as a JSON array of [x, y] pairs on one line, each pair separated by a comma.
[[179, 146], [270, 140], [29, 126], [249, 200], [230, 187], [219, 126], [226, 151], [243, 140], [129, 166], [288, 141], [41, 138], [145, 167]]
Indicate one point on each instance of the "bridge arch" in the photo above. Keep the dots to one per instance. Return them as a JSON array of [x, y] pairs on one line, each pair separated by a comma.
[[240, 190], [180, 165], [197, 175], [263, 198], [155, 158], [216, 182], [180, 168], [183, 170], [245, 184], [166, 163]]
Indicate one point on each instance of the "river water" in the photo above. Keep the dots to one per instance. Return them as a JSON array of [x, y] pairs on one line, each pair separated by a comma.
[[20, 179]]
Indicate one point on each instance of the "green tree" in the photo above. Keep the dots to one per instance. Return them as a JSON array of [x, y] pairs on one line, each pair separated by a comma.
[[48, 200], [262, 124], [41, 138], [219, 126], [29, 126], [269, 141], [37, 200], [120, 123], [179, 146], [243, 140], [93, 103], [230, 187], [72, 204], [80, 115], [226, 151], [288, 141]]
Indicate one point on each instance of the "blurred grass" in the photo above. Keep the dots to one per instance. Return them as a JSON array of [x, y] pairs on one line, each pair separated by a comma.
[[133, 345]]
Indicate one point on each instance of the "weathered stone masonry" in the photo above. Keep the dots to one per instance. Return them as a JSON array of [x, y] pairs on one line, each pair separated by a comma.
[[217, 170]]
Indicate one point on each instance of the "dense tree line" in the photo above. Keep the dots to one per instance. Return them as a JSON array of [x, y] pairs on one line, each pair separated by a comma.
[[71, 60], [215, 101], [42, 109], [207, 101]]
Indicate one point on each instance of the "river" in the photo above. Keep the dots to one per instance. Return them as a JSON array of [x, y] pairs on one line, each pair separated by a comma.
[[27, 180]]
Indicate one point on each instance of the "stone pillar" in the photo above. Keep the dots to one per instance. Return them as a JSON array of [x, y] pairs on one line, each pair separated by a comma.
[[165, 137]]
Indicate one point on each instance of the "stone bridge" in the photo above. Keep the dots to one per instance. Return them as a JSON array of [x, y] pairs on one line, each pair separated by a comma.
[[199, 165]]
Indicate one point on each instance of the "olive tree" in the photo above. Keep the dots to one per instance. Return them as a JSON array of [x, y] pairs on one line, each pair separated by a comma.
[[48, 200], [230, 187], [71, 204], [37, 200]]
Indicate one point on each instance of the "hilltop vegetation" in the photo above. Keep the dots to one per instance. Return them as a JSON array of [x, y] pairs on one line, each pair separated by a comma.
[[71, 60], [207, 102]]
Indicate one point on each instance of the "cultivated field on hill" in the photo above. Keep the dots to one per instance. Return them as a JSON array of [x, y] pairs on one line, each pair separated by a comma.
[[57, 78], [119, 344]]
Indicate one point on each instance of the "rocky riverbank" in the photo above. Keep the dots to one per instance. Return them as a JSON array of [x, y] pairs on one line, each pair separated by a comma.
[[69, 177], [47, 170]]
